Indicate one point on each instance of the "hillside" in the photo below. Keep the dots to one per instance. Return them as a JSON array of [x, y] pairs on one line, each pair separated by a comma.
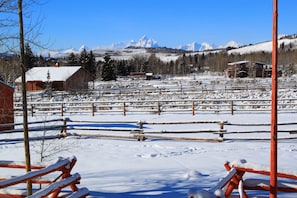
[[283, 43]]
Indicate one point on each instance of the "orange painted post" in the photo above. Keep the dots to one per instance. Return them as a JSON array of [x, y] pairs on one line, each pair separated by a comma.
[[273, 140], [234, 181], [193, 108]]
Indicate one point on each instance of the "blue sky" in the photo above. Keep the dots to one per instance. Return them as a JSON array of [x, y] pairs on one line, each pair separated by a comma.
[[71, 23]]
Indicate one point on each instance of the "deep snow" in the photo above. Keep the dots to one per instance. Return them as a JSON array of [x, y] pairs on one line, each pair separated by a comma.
[[112, 167]]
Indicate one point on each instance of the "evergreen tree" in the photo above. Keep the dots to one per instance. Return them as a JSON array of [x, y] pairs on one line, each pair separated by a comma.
[[30, 59], [108, 70], [122, 69], [87, 61], [41, 61], [91, 65], [84, 58], [72, 59]]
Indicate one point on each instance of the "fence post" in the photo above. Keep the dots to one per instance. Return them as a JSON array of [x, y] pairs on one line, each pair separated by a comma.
[[140, 135], [221, 128], [140, 125], [32, 110], [124, 108], [64, 127], [159, 108], [193, 108], [62, 109], [93, 109], [232, 110]]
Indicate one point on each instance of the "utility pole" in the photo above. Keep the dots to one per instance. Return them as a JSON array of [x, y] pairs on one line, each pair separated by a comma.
[[273, 139], [24, 95]]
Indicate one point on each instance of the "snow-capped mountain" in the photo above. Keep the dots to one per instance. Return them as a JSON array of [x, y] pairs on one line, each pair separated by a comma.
[[232, 44], [74, 50], [61, 53], [196, 47], [82, 48], [289, 41], [119, 45], [144, 42]]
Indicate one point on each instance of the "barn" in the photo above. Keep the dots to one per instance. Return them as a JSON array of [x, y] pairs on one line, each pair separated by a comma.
[[64, 78], [251, 69], [6, 106]]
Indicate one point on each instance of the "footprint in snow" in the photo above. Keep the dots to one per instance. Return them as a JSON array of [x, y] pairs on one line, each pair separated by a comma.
[[149, 155]]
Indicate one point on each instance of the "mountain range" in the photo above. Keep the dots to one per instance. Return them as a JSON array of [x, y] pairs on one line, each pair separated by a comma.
[[143, 42], [123, 49]]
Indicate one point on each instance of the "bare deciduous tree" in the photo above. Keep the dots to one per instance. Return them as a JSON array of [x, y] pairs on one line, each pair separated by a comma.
[[9, 25]]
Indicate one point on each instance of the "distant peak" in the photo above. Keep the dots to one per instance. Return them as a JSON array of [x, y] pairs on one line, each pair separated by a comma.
[[144, 37], [232, 44], [82, 48], [144, 42]]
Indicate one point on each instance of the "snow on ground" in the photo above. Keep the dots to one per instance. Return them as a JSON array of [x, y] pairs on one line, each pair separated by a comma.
[[157, 167], [264, 46]]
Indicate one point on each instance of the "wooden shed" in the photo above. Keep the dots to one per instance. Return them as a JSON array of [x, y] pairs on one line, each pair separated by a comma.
[[6, 106], [245, 68], [57, 78]]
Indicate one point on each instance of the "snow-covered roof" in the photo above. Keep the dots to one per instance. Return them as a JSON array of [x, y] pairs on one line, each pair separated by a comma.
[[238, 62], [245, 61], [55, 73]]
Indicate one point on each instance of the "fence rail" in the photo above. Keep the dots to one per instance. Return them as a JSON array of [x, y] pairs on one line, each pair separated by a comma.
[[53, 184], [202, 130], [155, 106]]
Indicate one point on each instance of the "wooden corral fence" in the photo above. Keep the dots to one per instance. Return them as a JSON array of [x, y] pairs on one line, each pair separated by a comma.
[[194, 88], [37, 126], [142, 133], [194, 106], [141, 130], [243, 176], [66, 127], [246, 128], [56, 180], [180, 131]]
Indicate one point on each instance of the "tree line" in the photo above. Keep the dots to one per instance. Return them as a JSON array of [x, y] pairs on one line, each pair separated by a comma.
[[106, 68], [187, 63]]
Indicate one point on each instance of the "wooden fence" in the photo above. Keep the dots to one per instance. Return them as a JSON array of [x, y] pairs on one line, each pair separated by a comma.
[[142, 133], [196, 88], [114, 129], [58, 179], [208, 130], [156, 106], [243, 176], [37, 126]]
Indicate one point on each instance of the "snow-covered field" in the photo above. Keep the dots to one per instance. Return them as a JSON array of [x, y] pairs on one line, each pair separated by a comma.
[[157, 167]]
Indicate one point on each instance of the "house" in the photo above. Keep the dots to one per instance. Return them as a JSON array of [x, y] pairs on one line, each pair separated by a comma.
[[151, 76], [241, 69], [56, 78], [6, 105], [137, 75]]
